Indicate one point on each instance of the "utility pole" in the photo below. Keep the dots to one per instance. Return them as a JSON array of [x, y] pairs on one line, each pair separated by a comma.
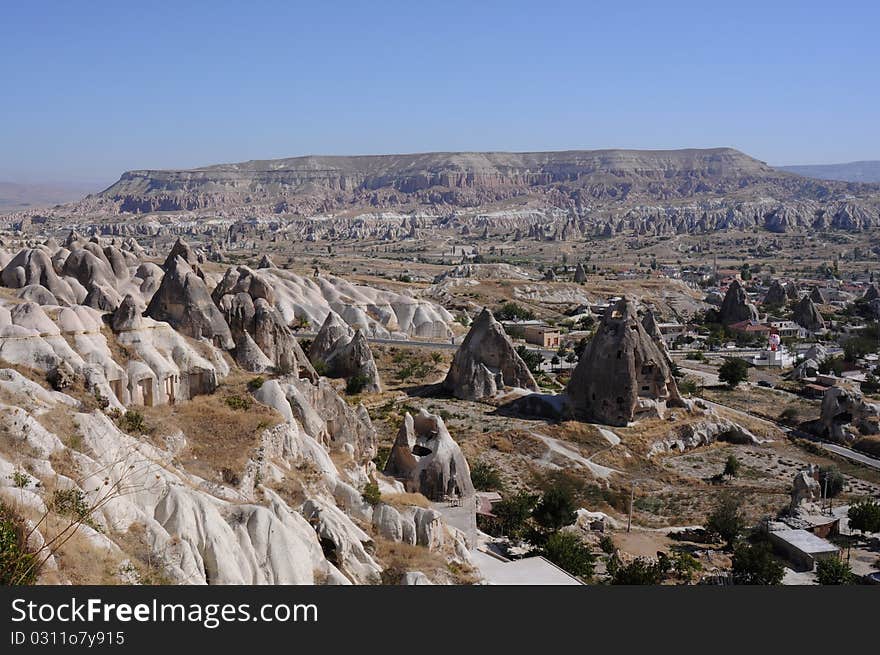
[[826, 488], [632, 495]]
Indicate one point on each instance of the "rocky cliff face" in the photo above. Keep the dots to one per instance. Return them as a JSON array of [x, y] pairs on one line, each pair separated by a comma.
[[580, 180]]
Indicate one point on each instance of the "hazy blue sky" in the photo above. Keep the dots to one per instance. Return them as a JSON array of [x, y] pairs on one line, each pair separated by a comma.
[[90, 89]]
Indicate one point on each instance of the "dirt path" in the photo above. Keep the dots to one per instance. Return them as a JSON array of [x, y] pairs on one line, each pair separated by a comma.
[[558, 447]]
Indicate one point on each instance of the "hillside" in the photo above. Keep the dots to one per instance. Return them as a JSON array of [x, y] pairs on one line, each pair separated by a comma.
[[314, 184], [857, 171]]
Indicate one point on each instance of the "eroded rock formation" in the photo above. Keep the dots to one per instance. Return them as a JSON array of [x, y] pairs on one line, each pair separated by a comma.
[[427, 459], [486, 362], [345, 353], [622, 373], [736, 307]]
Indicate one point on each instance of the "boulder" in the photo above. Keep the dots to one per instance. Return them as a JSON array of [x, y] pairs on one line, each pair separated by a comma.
[[805, 486], [486, 362], [248, 355], [61, 377], [37, 293], [245, 299], [183, 250], [34, 267]]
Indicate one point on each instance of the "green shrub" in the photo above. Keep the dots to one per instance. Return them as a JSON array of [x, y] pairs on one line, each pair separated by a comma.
[[640, 571], [510, 311], [371, 493], [864, 516], [726, 521], [133, 422], [485, 477], [20, 480], [532, 359], [754, 564], [733, 371], [239, 403], [833, 571], [513, 513], [731, 466], [685, 565], [18, 565], [568, 552], [355, 384], [71, 503], [556, 509], [382, 453], [831, 481], [256, 383]]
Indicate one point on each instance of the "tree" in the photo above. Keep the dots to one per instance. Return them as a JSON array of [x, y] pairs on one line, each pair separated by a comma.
[[514, 512], [556, 509], [685, 565], [510, 311], [485, 477], [731, 466], [356, 384], [733, 371], [831, 481], [567, 551], [726, 521], [606, 543], [833, 571], [532, 358], [640, 571], [864, 516], [754, 564]]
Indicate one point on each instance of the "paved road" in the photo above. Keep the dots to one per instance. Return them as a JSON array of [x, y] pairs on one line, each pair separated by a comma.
[[837, 449], [852, 455]]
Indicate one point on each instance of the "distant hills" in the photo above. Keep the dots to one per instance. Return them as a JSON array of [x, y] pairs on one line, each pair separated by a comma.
[[15, 196], [601, 192], [579, 178], [856, 171]]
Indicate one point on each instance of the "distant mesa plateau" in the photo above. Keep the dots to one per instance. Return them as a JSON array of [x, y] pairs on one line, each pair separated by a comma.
[[580, 193]]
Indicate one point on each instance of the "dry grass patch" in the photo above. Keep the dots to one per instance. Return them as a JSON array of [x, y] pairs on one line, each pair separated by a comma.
[[403, 500], [399, 559], [61, 421], [84, 563], [222, 429]]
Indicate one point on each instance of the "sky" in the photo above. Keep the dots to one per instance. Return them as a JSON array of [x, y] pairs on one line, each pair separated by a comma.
[[91, 89]]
